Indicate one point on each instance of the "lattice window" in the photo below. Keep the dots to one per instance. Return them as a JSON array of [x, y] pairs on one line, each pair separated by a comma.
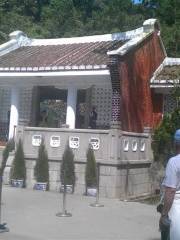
[[5, 99], [169, 103], [25, 101], [101, 98]]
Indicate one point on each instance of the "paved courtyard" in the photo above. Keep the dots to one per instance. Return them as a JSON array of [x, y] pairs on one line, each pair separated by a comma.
[[31, 216]]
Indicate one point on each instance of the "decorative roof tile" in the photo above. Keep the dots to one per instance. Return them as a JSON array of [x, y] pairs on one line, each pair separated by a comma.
[[169, 73], [59, 57]]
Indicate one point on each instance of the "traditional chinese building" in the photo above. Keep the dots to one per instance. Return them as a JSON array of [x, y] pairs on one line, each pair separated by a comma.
[[49, 86]]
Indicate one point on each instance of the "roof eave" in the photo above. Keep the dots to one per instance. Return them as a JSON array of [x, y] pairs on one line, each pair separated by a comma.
[[56, 73]]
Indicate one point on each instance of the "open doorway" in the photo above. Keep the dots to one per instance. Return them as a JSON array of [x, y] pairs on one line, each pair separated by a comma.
[[50, 105], [49, 108], [81, 109]]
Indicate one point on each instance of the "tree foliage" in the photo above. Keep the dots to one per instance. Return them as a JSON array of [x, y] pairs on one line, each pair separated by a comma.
[[18, 170], [90, 172], [59, 18], [8, 148], [67, 174], [168, 13], [41, 169], [163, 136]]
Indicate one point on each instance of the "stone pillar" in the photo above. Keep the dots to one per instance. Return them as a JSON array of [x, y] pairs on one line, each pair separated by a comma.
[[148, 151], [71, 107], [116, 93], [14, 114]]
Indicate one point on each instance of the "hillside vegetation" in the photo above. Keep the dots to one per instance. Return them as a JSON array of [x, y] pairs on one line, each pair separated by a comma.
[[65, 18]]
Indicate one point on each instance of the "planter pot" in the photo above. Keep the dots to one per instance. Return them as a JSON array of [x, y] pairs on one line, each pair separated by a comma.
[[19, 183], [42, 186], [91, 192], [69, 189]]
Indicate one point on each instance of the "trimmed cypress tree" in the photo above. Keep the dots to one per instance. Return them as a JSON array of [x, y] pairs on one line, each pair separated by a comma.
[[68, 167], [18, 170], [90, 171], [41, 169], [9, 147]]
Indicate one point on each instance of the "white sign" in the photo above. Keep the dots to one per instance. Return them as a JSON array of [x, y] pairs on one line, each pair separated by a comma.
[[74, 142], [36, 140], [142, 146], [55, 141], [134, 146], [95, 143], [125, 145]]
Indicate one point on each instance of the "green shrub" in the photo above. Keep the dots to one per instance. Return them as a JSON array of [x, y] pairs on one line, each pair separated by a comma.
[[41, 169], [18, 170], [68, 167], [162, 144], [90, 171], [8, 148]]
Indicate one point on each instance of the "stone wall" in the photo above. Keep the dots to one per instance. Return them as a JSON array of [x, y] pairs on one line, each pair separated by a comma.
[[114, 182], [124, 172]]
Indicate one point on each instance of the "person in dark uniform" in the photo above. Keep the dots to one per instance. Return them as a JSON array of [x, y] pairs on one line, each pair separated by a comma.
[[8, 117], [93, 118]]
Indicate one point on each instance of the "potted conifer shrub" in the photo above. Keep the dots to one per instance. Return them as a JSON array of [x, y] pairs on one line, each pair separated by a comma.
[[8, 148], [18, 169], [90, 173], [41, 169], [67, 174]]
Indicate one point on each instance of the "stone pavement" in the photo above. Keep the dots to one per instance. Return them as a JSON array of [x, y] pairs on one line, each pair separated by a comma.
[[30, 215]]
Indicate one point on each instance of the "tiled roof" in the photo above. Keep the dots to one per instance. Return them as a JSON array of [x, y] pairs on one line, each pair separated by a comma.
[[169, 73], [91, 55]]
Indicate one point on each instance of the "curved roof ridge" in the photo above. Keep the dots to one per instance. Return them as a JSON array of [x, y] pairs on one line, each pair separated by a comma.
[[121, 36], [171, 61]]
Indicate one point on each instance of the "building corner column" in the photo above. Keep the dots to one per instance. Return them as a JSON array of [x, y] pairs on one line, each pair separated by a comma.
[[116, 93], [71, 107], [14, 112]]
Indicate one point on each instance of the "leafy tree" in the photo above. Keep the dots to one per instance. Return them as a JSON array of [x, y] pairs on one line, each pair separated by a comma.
[[18, 170], [58, 18], [163, 137], [41, 169], [168, 13], [67, 167], [25, 7], [90, 171]]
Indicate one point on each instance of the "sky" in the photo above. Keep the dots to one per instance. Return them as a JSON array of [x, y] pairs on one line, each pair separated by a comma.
[[137, 1]]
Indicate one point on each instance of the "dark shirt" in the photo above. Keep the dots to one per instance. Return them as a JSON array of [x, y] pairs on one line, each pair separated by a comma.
[[92, 119]]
